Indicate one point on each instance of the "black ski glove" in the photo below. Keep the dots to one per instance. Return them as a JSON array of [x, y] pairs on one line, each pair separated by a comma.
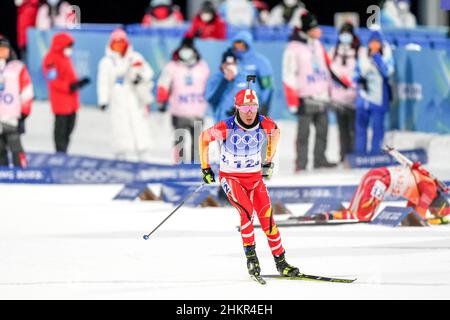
[[208, 176], [267, 170], [103, 107]]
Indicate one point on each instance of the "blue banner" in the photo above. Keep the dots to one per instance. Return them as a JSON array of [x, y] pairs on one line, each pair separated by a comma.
[[177, 192], [324, 205], [131, 191], [384, 159], [393, 216]]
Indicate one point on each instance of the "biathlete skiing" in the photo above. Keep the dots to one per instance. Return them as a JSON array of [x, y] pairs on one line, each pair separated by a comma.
[[242, 169]]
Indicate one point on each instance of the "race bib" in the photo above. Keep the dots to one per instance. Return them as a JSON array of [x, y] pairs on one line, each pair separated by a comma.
[[225, 186], [378, 190]]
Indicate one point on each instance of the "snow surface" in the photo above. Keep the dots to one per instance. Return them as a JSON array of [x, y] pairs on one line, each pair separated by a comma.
[[74, 242]]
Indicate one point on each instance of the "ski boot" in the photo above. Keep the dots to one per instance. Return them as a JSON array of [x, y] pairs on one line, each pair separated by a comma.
[[252, 261], [284, 268]]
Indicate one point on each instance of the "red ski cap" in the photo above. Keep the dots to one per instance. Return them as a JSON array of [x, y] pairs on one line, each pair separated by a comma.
[[246, 97]]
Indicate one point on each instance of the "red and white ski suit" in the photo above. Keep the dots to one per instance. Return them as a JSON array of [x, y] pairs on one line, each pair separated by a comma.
[[415, 185], [240, 173]]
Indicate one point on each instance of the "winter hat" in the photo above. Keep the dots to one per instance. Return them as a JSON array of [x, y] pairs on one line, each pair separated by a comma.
[[229, 56], [347, 27], [208, 7], [246, 97], [308, 21]]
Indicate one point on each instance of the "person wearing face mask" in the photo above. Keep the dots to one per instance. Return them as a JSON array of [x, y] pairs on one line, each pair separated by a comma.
[[397, 13], [344, 56], [63, 86], [181, 89], [162, 13], [288, 12], [26, 18], [124, 85], [374, 68], [54, 13], [237, 62], [16, 98], [307, 79], [207, 24]]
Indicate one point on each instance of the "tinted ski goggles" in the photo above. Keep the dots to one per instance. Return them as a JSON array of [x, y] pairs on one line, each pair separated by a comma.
[[247, 108]]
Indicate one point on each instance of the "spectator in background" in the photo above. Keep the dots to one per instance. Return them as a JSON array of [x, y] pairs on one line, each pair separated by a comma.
[[344, 56], [16, 98], [26, 18], [239, 61], [124, 84], [397, 13], [223, 85], [63, 86], [374, 68], [262, 12], [240, 13], [288, 12], [207, 24], [162, 13], [181, 86], [306, 79], [55, 13]]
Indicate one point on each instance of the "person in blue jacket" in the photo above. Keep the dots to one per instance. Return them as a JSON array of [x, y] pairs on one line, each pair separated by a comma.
[[374, 68], [237, 62]]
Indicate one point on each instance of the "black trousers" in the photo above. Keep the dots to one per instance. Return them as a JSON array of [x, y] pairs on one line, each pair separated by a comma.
[[10, 142], [346, 124], [189, 124], [64, 125], [320, 122]]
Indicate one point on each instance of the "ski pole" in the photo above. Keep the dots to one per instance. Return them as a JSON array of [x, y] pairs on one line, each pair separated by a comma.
[[176, 209]]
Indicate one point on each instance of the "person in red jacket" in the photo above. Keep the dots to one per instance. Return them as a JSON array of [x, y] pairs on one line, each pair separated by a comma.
[[26, 17], [207, 24], [63, 86], [16, 98]]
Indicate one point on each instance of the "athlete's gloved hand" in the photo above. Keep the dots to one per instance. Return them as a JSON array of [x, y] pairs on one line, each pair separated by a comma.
[[208, 176], [267, 170], [103, 107]]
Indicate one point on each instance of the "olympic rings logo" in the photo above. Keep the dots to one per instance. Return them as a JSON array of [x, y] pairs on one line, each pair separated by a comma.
[[247, 140], [91, 176]]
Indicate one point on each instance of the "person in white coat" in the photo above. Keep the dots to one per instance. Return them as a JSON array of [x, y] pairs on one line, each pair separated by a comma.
[[124, 86]]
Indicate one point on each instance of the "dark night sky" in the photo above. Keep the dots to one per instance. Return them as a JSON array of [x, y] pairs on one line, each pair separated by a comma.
[[131, 11]]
